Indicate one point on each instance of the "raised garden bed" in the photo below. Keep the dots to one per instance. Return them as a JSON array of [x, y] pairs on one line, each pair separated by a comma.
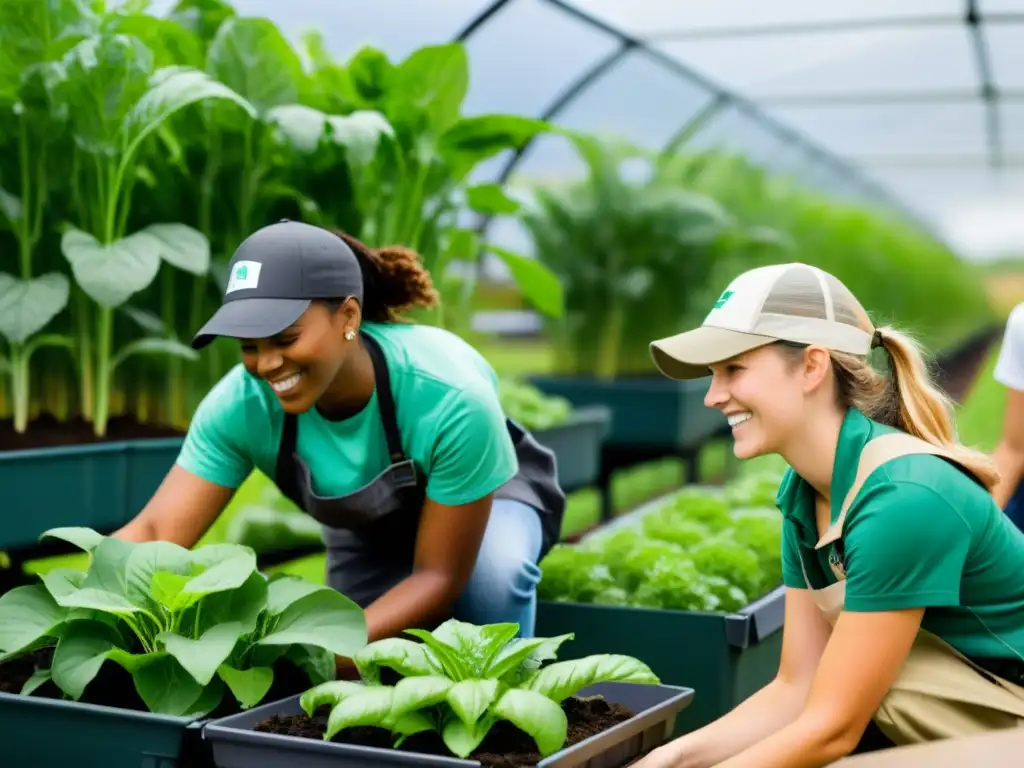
[[609, 725], [126, 660], [577, 445], [60, 474], [697, 570]]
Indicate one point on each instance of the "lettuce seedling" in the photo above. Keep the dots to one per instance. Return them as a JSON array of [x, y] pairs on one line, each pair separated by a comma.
[[185, 624], [461, 680]]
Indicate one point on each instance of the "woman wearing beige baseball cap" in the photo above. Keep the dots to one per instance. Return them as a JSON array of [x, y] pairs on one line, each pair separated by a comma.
[[904, 604]]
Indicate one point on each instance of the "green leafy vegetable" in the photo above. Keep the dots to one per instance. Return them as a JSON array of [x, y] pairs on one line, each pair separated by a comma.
[[461, 680], [185, 624]]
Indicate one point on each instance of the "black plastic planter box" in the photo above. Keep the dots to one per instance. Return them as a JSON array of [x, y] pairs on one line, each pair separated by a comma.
[[724, 658], [37, 732], [577, 446], [236, 745], [99, 485], [647, 411]]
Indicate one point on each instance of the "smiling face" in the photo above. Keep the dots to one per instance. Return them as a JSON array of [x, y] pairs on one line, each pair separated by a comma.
[[766, 394], [302, 361]]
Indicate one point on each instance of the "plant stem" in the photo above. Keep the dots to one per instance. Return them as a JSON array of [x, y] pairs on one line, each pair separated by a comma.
[[104, 334], [19, 386]]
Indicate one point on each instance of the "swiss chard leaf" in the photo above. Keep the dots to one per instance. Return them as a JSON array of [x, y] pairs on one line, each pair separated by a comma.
[[566, 678]]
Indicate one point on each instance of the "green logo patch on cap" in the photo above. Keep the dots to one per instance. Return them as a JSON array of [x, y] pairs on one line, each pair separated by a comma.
[[726, 295], [246, 274]]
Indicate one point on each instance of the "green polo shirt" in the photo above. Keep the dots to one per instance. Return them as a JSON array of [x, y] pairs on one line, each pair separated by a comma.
[[921, 533]]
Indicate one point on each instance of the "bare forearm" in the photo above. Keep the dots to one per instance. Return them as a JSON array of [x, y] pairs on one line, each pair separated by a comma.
[[137, 530], [769, 710], [1010, 462], [421, 600], [808, 742]]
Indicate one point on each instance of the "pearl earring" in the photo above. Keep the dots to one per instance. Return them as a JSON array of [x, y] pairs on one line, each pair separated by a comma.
[[350, 334]]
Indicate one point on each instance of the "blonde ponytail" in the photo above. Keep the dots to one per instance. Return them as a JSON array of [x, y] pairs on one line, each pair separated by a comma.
[[908, 400]]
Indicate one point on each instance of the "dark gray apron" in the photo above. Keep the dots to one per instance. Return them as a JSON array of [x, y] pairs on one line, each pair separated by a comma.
[[370, 533]]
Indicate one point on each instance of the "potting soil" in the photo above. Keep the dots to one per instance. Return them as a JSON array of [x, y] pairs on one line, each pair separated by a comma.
[[505, 746]]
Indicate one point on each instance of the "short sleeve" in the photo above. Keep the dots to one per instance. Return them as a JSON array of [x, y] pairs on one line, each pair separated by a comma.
[[792, 572], [1009, 369], [473, 452], [905, 547], [214, 446]]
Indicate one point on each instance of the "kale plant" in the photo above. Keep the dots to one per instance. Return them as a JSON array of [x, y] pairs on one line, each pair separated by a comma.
[[461, 680], [185, 624]]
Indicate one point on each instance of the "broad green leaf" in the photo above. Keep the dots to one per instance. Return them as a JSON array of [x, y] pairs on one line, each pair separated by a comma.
[[203, 656], [167, 587], [107, 74], [148, 559], [513, 656], [370, 707], [10, 206], [226, 567], [404, 656], [326, 619], [285, 590], [565, 678], [170, 43], [453, 666], [61, 582], [469, 699], [537, 715], [242, 605], [537, 282], [110, 274], [490, 200], [412, 693], [162, 683], [182, 246], [80, 654], [256, 61], [299, 126], [107, 568], [433, 80], [208, 700], [317, 663], [85, 539], [462, 739], [360, 133], [471, 140], [172, 89], [39, 677], [27, 614], [249, 686], [26, 306], [329, 693], [152, 346], [475, 645], [410, 724], [98, 600], [147, 321]]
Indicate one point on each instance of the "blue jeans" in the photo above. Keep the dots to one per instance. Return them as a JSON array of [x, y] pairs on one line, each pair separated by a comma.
[[1015, 507], [503, 585]]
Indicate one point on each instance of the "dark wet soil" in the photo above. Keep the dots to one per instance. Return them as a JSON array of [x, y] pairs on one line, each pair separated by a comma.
[[114, 687], [46, 431], [504, 747]]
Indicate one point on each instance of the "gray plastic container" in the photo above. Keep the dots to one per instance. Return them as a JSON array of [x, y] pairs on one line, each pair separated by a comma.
[[236, 745]]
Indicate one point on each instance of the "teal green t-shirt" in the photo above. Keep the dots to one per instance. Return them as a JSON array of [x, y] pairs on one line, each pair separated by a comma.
[[447, 407], [921, 533]]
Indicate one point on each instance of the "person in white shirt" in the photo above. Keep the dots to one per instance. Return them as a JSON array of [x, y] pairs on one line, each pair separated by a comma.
[[1009, 453]]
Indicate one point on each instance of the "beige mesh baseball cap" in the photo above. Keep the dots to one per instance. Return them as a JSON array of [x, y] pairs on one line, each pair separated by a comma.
[[782, 302]]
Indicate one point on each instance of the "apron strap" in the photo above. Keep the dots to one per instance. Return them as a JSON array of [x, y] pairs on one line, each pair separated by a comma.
[[385, 400], [877, 452], [286, 477]]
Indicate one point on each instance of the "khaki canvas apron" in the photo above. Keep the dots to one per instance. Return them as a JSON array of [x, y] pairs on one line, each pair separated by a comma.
[[939, 693]]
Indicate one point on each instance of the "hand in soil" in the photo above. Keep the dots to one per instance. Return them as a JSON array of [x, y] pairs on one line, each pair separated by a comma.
[[504, 747]]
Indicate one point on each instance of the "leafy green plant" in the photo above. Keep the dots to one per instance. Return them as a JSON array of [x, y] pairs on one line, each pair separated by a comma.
[[531, 407], [461, 680], [699, 549], [187, 625]]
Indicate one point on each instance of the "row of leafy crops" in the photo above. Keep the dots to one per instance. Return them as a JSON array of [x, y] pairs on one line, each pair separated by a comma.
[[137, 152], [698, 549], [641, 259], [201, 633]]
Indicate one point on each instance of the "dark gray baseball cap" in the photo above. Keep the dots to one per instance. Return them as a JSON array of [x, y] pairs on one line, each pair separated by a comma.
[[275, 274]]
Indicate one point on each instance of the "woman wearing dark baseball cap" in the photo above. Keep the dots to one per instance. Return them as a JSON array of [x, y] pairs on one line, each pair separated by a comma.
[[390, 434]]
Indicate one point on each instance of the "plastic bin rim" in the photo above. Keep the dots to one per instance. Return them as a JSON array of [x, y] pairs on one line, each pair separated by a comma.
[[141, 445], [102, 709], [224, 727]]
